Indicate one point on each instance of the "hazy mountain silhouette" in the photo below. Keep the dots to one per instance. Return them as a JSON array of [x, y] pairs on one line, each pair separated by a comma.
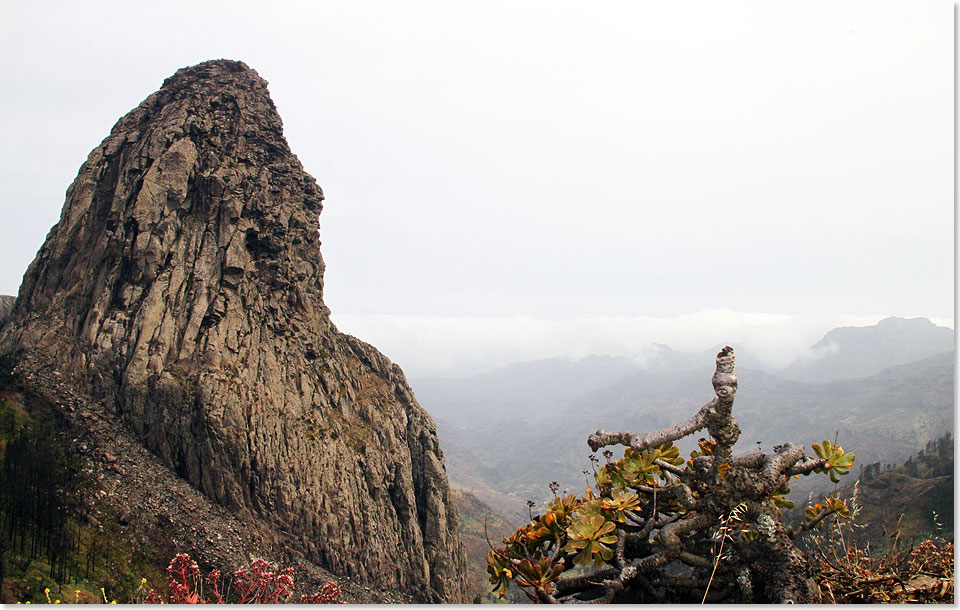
[[858, 351], [524, 389], [517, 428]]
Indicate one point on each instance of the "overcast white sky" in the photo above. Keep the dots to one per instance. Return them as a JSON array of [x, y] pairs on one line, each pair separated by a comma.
[[508, 180]]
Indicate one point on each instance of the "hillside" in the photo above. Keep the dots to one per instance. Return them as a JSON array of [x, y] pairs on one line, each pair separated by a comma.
[[897, 545], [886, 416], [911, 499], [481, 526], [914, 499]]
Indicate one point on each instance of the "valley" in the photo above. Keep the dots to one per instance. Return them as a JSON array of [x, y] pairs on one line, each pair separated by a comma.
[[509, 432]]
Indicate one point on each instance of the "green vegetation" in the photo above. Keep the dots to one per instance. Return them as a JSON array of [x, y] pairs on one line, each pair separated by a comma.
[[357, 435], [910, 503], [40, 487], [479, 524], [659, 528], [48, 537]]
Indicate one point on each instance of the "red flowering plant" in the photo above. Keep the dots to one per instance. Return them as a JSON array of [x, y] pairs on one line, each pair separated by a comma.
[[183, 576], [262, 586], [258, 584], [328, 594]]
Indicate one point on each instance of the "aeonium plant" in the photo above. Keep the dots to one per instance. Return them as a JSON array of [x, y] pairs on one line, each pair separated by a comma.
[[648, 532]]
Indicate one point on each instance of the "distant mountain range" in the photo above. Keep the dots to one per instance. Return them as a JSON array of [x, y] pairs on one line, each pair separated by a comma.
[[527, 388], [883, 390], [852, 351]]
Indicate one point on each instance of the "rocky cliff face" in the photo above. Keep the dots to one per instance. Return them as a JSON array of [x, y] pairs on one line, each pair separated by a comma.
[[6, 305], [182, 291]]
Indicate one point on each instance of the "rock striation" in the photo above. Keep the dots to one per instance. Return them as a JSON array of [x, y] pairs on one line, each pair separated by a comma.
[[182, 291], [6, 305]]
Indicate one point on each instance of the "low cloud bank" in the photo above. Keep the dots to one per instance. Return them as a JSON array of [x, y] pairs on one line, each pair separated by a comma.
[[454, 346]]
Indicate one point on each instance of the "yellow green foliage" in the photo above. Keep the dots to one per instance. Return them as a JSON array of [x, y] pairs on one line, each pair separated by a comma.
[[582, 530], [832, 505], [620, 502], [588, 537], [837, 462], [780, 501], [543, 573]]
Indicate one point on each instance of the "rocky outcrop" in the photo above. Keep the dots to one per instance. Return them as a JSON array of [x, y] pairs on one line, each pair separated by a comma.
[[6, 305], [182, 291]]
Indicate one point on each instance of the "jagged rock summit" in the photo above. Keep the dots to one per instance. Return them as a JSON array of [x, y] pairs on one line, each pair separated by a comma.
[[181, 290]]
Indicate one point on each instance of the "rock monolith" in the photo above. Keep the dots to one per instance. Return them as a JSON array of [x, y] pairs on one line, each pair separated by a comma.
[[182, 292]]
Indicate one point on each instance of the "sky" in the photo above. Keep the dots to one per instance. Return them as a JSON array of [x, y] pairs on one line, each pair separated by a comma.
[[516, 180]]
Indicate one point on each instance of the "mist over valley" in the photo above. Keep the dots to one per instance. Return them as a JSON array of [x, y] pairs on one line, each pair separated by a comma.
[[883, 391]]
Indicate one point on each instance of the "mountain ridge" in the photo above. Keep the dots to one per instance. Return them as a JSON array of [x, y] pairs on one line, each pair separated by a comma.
[[858, 351], [771, 409]]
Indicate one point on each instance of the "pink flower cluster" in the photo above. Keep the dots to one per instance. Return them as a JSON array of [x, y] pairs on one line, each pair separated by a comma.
[[256, 585]]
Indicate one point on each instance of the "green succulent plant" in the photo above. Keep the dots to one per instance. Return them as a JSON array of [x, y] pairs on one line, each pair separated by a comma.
[[655, 491], [541, 574], [588, 537], [670, 454], [837, 463], [839, 507], [551, 526], [603, 477], [525, 540], [833, 504], [639, 467], [500, 570], [593, 506], [564, 506], [780, 501], [620, 502]]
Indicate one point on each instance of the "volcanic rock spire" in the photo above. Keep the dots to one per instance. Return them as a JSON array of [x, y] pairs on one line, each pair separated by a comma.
[[182, 290]]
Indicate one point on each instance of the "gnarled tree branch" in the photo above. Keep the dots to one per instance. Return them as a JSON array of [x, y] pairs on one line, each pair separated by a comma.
[[669, 539], [601, 438]]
